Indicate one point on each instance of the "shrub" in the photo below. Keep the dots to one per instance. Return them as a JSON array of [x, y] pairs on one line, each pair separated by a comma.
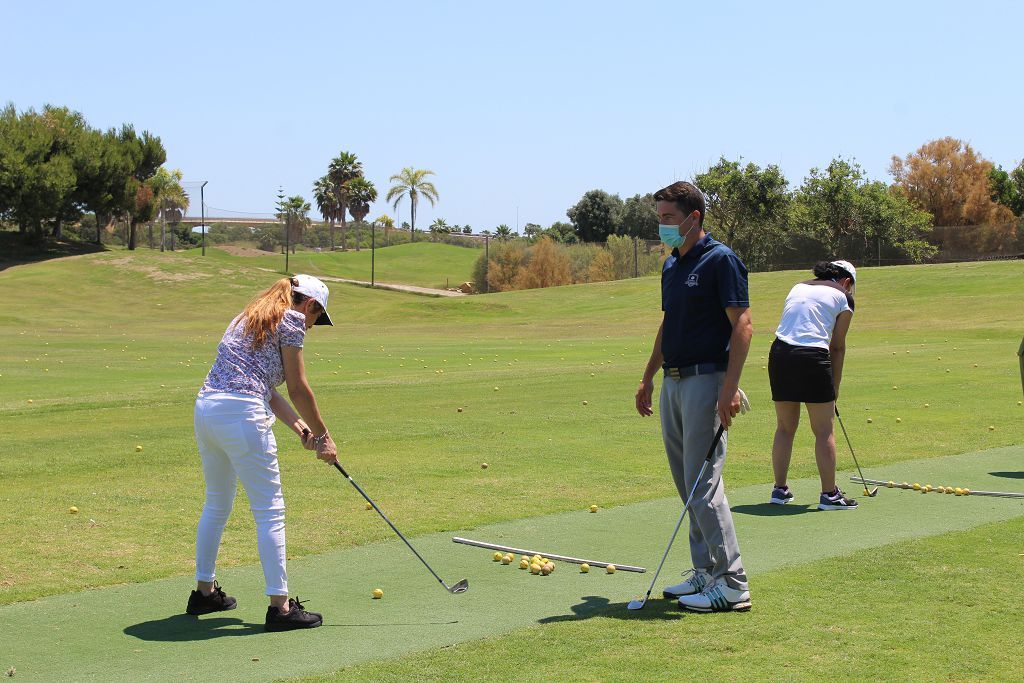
[[547, 266], [602, 268], [580, 258]]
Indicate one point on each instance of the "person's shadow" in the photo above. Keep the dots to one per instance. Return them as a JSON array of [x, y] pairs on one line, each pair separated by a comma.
[[1008, 475], [182, 627], [599, 606], [769, 510]]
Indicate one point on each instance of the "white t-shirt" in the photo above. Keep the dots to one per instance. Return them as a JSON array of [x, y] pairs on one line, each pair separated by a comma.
[[809, 315]]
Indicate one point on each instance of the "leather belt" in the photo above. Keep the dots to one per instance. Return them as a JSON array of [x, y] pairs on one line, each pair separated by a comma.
[[691, 370]]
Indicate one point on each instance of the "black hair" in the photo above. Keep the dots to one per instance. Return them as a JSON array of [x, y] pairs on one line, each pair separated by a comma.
[[824, 270]]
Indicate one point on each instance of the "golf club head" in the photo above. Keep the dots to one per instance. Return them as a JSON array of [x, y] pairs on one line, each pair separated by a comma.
[[637, 604], [872, 493], [461, 587]]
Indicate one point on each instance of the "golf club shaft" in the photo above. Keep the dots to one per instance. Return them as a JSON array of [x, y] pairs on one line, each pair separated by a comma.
[[848, 443], [393, 527], [992, 494], [686, 506]]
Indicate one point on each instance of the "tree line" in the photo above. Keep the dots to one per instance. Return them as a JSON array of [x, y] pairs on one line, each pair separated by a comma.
[[942, 186], [55, 167]]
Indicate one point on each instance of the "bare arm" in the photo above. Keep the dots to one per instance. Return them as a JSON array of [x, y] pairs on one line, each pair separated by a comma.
[[285, 413], [739, 346], [302, 398], [837, 348], [645, 394]]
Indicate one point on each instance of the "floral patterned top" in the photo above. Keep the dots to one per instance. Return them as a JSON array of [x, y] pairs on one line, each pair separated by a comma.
[[241, 369]]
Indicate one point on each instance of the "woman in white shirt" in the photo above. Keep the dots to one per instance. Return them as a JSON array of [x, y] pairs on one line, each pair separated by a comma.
[[806, 366]]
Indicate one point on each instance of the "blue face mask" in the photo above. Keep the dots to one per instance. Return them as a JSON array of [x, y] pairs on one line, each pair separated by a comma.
[[669, 234]]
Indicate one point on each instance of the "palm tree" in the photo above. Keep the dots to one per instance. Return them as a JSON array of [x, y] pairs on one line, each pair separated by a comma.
[[438, 227], [170, 197], [411, 182], [343, 168], [388, 224], [326, 203], [361, 193], [294, 211], [503, 232]]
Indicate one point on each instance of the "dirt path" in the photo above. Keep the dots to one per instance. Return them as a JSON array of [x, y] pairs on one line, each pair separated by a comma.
[[411, 289]]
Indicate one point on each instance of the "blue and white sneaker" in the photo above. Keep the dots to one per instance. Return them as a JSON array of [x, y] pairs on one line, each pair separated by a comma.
[[717, 597], [836, 501], [781, 495], [699, 579]]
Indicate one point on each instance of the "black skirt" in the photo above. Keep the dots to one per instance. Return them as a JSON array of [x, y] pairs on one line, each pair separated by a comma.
[[802, 374]]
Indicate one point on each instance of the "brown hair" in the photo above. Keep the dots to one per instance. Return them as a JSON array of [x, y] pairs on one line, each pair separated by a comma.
[[686, 196], [266, 311]]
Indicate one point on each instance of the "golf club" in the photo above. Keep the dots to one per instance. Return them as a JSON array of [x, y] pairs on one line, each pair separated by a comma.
[[460, 587], [873, 492], [640, 602]]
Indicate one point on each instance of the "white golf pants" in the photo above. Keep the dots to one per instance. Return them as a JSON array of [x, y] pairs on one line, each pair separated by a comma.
[[233, 432]]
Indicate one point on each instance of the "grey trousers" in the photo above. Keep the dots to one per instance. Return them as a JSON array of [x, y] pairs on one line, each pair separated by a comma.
[[689, 420]]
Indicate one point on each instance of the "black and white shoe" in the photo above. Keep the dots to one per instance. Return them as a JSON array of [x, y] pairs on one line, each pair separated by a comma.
[[836, 500], [216, 601], [717, 597], [696, 582], [296, 617], [781, 495]]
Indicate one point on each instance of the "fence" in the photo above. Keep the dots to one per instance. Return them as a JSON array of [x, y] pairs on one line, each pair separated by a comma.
[[509, 262]]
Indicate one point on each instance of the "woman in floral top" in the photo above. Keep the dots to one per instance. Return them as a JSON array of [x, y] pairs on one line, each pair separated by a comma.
[[261, 349]]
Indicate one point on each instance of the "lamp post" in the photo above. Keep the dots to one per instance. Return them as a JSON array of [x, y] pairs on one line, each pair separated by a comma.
[[202, 213], [282, 212]]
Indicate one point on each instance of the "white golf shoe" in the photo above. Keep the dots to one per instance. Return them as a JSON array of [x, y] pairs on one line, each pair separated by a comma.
[[698, 580], [717, 597]]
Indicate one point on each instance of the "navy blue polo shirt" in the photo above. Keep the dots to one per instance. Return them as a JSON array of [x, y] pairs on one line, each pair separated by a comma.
[[696, 288]]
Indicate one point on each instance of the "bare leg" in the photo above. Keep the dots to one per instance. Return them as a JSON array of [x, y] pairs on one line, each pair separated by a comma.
[[822, 424], [787, 414]]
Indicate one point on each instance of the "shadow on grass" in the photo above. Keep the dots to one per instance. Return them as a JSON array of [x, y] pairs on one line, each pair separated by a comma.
[[599, 606], [16, 251], [769, 510], [184, 627], [395, 623], [1008, 475]]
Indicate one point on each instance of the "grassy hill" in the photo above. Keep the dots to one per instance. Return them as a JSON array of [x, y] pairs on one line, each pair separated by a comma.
[[425, 264]]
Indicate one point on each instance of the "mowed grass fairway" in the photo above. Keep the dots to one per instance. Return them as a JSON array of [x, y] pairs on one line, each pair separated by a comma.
[[111, 348], [424, 264]]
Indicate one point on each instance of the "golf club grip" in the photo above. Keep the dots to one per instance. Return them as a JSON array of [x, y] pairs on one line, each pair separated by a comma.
[[342, 470], [305, 435], [714, 443]]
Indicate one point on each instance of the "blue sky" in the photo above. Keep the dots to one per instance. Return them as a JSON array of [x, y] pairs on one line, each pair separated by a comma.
[[521, 107]]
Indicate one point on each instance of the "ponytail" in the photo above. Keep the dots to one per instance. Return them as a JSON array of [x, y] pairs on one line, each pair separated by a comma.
[[265, 312], [825, 270]]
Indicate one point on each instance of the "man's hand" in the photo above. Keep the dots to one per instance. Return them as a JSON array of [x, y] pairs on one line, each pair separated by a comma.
[[728, 406], [644, 396], [307, 439]]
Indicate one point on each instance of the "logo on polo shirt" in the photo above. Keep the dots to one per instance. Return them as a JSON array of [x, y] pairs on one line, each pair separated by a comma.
[[693, 280]]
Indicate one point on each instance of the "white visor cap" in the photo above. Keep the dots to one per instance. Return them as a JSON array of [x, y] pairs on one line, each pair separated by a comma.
[[848, 267], [316, 290]]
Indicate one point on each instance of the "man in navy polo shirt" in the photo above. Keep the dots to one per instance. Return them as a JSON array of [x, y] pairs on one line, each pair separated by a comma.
[[701, 346]]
